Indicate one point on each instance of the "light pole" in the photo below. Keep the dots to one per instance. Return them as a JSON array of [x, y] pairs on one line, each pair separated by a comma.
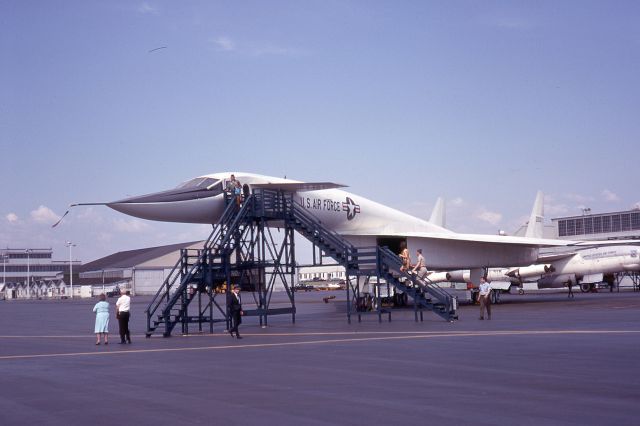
[[28, 251], [70, 244], [5, 256]]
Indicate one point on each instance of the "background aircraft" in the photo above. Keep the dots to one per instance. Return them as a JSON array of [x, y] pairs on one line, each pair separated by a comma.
[[584, 267]]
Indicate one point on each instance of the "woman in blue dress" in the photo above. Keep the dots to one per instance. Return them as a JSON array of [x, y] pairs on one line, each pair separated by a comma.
[[102, 320]]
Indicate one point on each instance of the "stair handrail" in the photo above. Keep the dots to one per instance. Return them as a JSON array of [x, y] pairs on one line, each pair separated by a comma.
[[163, 290], [227, 215], [331, 237], [235, 222]]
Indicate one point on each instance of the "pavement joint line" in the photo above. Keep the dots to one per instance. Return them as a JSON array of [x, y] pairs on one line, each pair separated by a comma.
[[316, 342], [225, 334], [319, 333]]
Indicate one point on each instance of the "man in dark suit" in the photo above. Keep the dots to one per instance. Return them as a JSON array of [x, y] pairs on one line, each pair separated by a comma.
[[235, 309]]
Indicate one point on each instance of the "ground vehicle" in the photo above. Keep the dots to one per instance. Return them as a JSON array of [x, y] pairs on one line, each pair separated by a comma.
[[114, 293], [304, 287]]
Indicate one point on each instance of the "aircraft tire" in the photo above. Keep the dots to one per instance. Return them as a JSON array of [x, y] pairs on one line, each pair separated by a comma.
[[585, 287]]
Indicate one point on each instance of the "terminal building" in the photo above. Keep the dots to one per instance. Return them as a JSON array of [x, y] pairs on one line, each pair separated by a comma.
[[318, 273], [603, 226], [598, 226], [32, 273]]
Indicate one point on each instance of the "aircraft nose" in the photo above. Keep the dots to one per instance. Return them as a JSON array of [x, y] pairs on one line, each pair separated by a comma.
[[169, 196], [186, 205]]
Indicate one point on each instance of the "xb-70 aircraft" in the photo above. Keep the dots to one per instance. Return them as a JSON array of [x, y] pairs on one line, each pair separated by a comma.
[[361, 221]]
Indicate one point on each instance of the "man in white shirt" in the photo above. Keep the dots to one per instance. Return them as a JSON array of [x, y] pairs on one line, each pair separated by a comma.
[[485, 299], [123, 306]]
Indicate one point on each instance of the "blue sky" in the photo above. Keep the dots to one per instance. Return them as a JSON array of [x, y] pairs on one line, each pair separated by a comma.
[[482, 103]]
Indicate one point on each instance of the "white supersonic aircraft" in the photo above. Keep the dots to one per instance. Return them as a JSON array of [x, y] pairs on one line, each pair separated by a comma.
[[361, 221]]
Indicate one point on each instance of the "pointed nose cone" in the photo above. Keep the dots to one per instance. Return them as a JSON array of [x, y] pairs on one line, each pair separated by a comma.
[[176, 205]]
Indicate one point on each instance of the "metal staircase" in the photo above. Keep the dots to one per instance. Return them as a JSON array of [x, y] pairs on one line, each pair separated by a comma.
[[425, 293], [197, 270], [369, 261]]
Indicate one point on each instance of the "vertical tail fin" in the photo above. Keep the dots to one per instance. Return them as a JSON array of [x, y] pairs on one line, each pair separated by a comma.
[[536, 220], [438, 215]]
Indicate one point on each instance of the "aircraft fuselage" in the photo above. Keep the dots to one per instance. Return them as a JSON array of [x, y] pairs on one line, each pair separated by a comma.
[[360, 220]]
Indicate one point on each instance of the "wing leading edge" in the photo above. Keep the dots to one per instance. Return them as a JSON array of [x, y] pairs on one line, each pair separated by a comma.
[[477, 238], [298, 186]]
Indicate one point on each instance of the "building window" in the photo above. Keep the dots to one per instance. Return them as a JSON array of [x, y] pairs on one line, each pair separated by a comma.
[[606, 223], [625, 222], [588, 225], [635, 220], [571, 227], [562, 228], [579, 227], [30, 255], [597, 225], [615, 223]]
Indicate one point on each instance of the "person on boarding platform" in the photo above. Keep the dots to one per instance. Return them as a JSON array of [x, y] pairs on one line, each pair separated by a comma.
[[231, 184], [404, 256], [237, 192], [102, 320], [123, 307], [230, 187], [485, 298], [420, 268], [235, 309]]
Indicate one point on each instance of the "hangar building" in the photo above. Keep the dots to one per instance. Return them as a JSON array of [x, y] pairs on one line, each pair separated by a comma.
[[141, 271]]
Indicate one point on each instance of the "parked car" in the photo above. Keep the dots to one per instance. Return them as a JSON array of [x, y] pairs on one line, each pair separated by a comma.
[[114, 293], [304, 287]]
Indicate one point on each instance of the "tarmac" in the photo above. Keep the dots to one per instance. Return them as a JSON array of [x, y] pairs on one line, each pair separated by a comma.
[[541, 359]]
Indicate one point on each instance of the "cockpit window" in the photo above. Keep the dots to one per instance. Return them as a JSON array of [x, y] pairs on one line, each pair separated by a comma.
[[202, 183]]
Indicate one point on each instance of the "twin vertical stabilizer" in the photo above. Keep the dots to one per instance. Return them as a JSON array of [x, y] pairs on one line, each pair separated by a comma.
[[438, 215], [536, 220]]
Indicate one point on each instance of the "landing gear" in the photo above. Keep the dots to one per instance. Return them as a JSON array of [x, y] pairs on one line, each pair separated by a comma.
[[586, 287], [610, 280], [495, 296]]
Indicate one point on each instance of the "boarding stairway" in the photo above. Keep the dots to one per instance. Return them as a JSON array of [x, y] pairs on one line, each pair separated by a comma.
[[194, 271], [424, 293], [379, 261], [201, 268]]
